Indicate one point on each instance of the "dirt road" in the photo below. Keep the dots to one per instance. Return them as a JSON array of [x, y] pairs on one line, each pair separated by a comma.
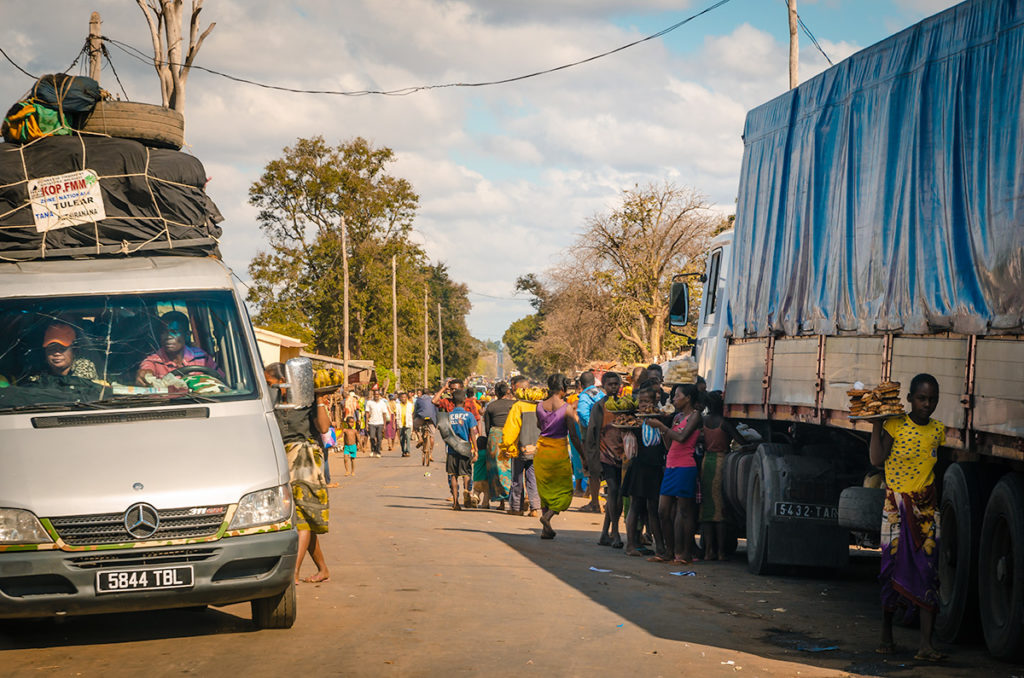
[[417, 589]]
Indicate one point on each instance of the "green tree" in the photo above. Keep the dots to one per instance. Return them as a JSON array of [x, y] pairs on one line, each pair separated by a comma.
[[302, 198]]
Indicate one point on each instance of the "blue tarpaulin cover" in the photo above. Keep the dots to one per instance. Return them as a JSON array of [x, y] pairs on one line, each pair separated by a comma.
[[887, 193]]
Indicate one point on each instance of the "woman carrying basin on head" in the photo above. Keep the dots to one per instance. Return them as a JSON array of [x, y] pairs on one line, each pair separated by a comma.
[[300, 430]]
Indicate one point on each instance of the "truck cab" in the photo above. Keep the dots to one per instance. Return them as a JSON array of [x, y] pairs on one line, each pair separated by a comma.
[[710, 343]]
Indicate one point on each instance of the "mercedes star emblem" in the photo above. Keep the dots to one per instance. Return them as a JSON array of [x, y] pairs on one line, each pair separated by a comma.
[[141, 521]]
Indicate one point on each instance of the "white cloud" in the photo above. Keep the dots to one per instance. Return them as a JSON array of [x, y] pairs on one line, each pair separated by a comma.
[[507, 175]]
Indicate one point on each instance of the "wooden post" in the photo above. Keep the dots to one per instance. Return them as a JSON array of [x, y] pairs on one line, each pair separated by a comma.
[[344, 272], [394, 324], [440, 342], [95, 46], [426, 326], [794, 46]]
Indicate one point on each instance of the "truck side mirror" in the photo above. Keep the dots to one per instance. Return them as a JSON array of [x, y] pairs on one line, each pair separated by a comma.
[[679, 305], [299, 372]]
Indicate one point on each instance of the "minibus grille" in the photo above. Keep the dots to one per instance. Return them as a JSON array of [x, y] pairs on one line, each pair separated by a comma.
[[109, 528], [142, 557]]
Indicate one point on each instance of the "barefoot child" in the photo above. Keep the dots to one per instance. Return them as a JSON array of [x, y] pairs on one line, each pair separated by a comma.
[[907, 445], [350, 439]]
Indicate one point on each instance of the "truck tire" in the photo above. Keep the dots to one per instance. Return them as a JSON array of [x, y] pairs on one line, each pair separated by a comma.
[[760, 489], [148, 124], [743, 466], [757, 524], [960, 514], [860, 508], [1001, 569], [275, 612], [729, 483]]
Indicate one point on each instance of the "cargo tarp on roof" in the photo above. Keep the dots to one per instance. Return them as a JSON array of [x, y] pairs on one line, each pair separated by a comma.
[[154, 199], [887, 193]]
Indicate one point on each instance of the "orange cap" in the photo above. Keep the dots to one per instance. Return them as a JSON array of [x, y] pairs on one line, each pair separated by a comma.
[[59, 333]]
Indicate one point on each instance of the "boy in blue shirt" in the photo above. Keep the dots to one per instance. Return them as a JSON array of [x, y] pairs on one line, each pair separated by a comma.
[[464, 425]]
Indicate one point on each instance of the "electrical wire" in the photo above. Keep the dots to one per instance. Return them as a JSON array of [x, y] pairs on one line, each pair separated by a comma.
[[13, 63], [116, 77], [810, 36], [491, 296], [405, 91]]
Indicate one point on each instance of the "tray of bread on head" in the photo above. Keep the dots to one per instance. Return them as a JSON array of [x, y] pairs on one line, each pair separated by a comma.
[[872, 404]]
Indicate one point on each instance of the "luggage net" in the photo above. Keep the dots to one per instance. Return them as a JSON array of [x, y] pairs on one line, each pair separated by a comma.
[[153, 200]]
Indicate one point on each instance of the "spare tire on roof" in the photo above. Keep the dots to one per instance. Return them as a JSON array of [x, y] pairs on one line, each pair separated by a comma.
[[148, 124]]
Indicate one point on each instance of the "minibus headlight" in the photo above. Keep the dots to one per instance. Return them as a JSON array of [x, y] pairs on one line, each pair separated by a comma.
[[18, 526], [263, 507]]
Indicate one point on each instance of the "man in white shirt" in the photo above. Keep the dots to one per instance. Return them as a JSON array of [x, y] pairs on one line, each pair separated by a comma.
[[403, 420], [376, 415]]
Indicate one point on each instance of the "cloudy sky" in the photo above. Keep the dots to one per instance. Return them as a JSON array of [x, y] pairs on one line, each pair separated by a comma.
[[506, 174]]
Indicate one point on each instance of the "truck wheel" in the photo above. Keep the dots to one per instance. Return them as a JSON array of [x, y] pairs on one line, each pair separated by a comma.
[[275, 612], [757, 524], [960, 513], [860, 508], [729, 483], [145, 123], [743, 466], [1001, 569]]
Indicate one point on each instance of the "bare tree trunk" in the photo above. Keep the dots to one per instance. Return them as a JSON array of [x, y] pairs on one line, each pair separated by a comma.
[[794, 46], [172, 63]]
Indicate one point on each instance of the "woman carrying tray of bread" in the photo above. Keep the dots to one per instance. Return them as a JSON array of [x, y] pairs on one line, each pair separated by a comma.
[[907, 445]]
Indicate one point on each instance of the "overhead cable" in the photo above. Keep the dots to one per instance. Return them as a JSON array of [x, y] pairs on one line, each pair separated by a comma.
[[405, 91]]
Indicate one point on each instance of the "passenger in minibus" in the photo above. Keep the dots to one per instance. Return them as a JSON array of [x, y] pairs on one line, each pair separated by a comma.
[[175, 351]]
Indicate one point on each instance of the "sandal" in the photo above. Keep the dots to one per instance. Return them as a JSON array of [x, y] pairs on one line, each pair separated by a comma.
[[659, 559], [931, 656]]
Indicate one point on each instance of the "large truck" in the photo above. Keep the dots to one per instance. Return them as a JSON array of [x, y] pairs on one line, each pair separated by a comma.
[[879, 234]]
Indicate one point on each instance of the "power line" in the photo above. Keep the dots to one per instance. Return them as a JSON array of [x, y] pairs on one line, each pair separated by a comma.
[[13, 63], [810, 36], [116, 77], [491, 296], [405, 91]]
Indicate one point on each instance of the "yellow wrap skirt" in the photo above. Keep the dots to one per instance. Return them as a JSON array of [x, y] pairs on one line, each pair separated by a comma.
[[553, 469]]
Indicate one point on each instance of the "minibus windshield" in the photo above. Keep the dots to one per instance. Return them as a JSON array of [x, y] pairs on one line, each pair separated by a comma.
[[122, 350]]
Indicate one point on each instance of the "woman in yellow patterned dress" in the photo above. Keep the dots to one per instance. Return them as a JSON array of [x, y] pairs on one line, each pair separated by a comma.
[[300, 429], [908, 446]]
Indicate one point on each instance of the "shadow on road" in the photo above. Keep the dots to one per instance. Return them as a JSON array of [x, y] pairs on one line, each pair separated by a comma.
[[803, 616], [16, 634]]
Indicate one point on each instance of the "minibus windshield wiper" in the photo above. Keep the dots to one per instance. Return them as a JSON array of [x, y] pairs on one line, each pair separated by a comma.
[[53, 407], [147, 398]]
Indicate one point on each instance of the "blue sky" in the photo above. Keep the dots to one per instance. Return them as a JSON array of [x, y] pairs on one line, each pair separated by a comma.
[[507, 175]]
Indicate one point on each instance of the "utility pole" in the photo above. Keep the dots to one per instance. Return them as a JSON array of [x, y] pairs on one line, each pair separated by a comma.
[[440, 341], [426, 326], [794, 46], [95, 46], [394, 324], [344, 272]]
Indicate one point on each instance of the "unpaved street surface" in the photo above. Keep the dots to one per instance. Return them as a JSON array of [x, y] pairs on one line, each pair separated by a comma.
[[417, 589]]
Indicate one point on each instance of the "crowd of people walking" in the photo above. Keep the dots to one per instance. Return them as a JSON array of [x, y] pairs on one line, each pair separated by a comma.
[[661, 460]]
